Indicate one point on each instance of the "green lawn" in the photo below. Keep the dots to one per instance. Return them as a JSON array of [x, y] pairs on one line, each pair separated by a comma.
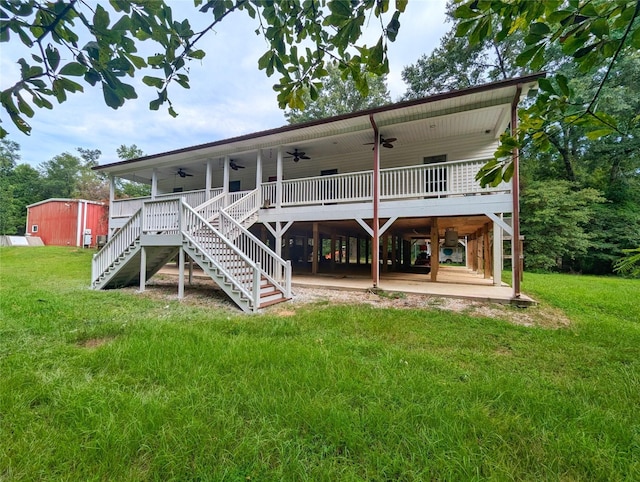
[[114, 385]]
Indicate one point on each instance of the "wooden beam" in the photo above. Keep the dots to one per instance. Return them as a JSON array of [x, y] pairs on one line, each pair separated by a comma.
[[316, 249], [497, 254], [486, 245], [435, 249]]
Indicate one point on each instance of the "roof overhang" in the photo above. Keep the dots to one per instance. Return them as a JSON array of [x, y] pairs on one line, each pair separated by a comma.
[[484, 108]]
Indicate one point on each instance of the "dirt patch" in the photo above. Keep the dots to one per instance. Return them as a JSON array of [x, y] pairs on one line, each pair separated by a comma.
[[95, 342], [205, 293]]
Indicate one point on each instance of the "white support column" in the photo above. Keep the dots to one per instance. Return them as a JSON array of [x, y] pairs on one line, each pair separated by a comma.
[[143, 268], [279, 178], [259, 176], [208, 183], [112, 189], [154, 183], [181, 274], [497, 254], [225, 175]]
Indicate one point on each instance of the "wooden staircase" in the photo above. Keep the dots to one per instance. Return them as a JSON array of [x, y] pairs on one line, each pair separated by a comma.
[[251, 274]]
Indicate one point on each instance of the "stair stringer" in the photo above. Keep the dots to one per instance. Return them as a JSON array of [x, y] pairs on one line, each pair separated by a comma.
[[125, 271]]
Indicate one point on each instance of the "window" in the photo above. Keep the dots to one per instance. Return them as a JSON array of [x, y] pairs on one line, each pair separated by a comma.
[[435, 159], [34, 228]]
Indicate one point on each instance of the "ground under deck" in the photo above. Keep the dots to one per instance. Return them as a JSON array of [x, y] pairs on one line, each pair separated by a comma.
[[453, 282]]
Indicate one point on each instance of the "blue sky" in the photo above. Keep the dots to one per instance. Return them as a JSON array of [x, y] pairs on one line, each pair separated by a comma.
[[229, 96]]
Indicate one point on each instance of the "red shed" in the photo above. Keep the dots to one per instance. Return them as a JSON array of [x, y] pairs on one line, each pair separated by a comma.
[[67, 222]]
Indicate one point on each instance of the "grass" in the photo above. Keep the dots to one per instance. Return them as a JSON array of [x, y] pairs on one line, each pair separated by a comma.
[[120, 386]]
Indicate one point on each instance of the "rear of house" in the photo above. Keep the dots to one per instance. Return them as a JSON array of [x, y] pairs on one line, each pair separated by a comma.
[[67, 222]]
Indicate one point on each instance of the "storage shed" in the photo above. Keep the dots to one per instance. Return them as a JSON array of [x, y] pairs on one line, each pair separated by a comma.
[[67, 222]]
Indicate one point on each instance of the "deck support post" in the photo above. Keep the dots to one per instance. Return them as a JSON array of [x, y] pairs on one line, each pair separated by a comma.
[[181, 274], [516, 251], [435, 249], [497, 254], [375, 258], [316, 249], [385, 253], [143, 268], [190, 271], [358, 249], [486, 255]]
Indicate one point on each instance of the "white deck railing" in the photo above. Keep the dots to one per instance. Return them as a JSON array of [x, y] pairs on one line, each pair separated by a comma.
[[454, 178], [428, 180], [126, 207], [117, 245]]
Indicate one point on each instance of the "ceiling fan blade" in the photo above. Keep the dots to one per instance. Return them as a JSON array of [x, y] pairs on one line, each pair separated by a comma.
[[390, 139], [304, 157], [387, 145]]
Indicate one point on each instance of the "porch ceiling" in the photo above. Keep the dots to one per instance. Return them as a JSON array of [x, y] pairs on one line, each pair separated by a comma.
[[484, 109]]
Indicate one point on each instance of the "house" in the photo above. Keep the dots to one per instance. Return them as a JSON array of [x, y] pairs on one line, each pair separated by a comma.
[[355, 189], [67, 222]]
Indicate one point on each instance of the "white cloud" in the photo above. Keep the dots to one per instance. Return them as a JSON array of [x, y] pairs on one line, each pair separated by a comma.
[[229, 96]]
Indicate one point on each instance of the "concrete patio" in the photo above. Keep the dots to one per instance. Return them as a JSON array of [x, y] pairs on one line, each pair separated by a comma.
[[453, 282]]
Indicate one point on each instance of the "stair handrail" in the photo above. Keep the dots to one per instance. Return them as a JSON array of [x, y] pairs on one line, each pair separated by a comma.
[[273, 267], [210, 209], [245, 207], [116, 245], [248, 261]]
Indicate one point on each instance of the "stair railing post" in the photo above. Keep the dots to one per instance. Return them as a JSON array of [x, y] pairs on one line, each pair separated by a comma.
[[287, 281], [256, 286], [93, 270]]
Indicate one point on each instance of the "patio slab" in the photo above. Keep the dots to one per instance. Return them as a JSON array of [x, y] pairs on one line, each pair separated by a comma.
[[453, 282]]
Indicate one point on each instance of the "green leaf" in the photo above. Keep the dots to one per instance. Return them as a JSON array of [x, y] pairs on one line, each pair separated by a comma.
[[196, 54], [73, 68], [340, 8], [546, 85], [393, 27], [53, 56], [635, 38], [153, 81], [563, 83], [101, 18], [111, 98], [600, 28], [597, 134], [540, 29], [24, 107]]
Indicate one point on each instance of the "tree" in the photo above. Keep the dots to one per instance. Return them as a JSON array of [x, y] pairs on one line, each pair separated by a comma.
[[593, 34], [9, 156], [61, 175], [554, 218], [339, 95], [457, 64], [129, 152], [302, 36], [128, 189], [20, 186]]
